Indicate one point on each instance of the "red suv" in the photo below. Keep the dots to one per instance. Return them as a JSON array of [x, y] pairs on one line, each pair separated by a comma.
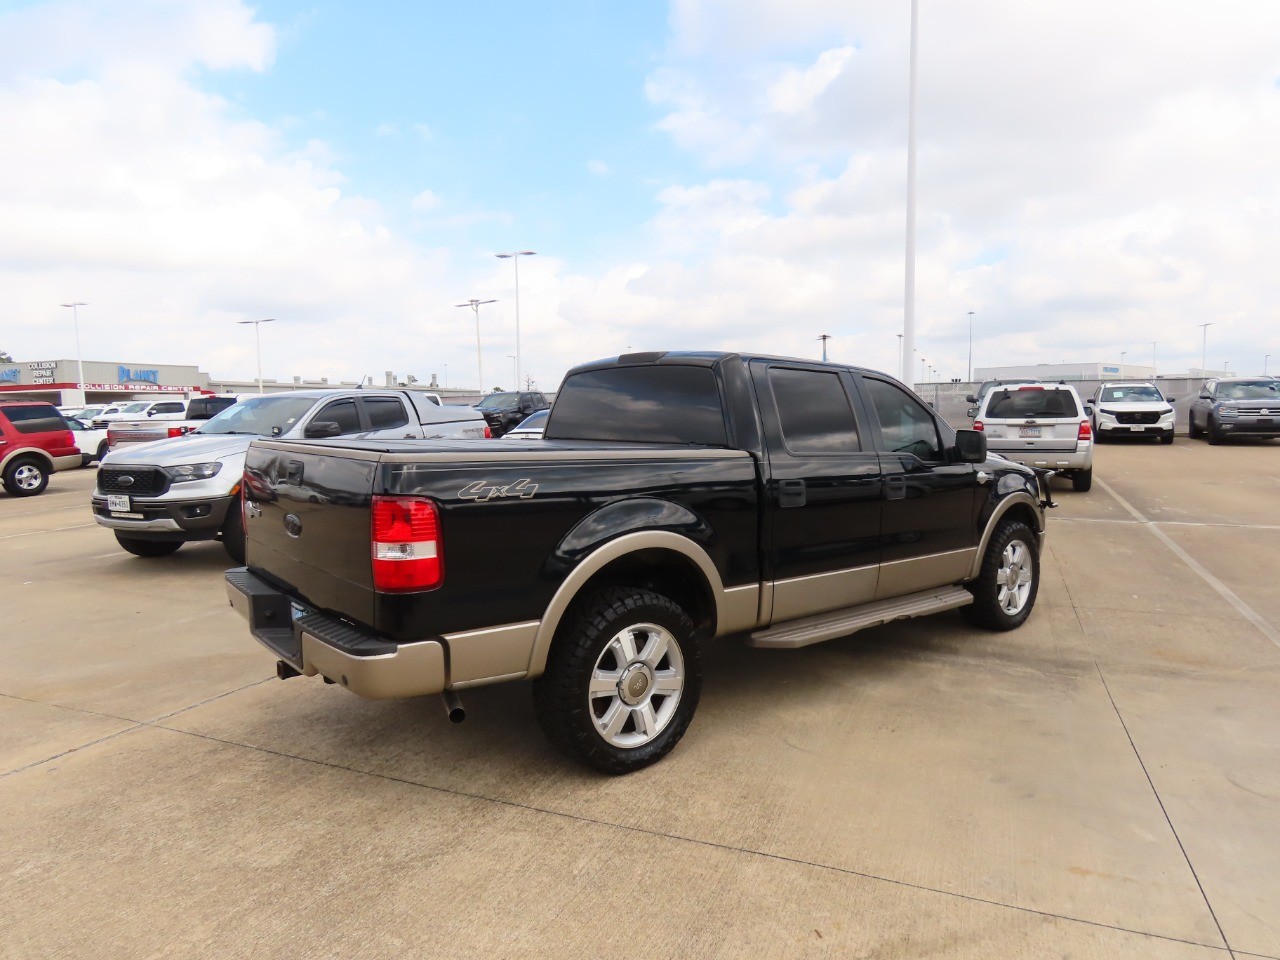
[[35, 441]]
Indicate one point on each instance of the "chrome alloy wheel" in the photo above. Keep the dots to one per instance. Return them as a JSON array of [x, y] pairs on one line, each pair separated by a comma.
[[1014, 577], [27, 477], [636, 685]]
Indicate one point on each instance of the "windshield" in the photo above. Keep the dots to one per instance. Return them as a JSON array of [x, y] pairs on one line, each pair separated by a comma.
[[1141, 393], [496, 401], [1246, 390], [260, 416]]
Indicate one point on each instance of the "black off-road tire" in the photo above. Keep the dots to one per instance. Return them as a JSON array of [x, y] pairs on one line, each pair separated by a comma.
[[148, 548], [1215, 435], [25, 477], [1082, 480], [991, 606], [1193, 431], [233, 532], [585, 641]]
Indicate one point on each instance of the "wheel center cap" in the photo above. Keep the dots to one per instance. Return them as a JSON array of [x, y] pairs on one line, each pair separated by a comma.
[[1011, 579], [635, 683]]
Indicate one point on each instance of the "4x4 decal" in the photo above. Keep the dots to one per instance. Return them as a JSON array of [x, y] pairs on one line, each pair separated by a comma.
[[481, 492]]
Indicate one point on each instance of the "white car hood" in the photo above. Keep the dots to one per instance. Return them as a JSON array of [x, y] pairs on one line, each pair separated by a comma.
[[1132, 406], [192, 448]]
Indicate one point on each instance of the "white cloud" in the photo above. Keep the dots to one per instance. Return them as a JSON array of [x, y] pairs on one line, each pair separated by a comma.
[[425, 201], [598, 168]]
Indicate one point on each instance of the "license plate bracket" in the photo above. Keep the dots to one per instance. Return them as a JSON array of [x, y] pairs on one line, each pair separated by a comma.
[[117, 503], [1029, 432]]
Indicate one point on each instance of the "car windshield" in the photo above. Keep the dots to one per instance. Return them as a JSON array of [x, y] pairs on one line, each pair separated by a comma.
[[260, 416], [1141, 393], [1036, 402], [1247, 390], [496, 401], [135, 407]]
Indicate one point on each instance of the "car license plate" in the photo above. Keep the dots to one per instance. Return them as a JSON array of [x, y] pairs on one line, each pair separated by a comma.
[[1028, 431], [117, 502]]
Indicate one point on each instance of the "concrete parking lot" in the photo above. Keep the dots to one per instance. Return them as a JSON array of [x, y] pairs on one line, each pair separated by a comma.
[[1103, 783]]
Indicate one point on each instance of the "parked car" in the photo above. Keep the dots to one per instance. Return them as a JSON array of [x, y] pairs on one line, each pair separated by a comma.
[[86, 413], [530, 428], [1130, 409], [1040, 425], [91, 441], [35, 441], [1236, 407], [506, 409], [170, 409], [157, 496]]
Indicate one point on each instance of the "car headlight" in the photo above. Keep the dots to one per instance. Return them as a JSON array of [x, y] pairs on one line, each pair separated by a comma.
[[1166, 411], [192, 471], [1225, 411], [1109, 413]]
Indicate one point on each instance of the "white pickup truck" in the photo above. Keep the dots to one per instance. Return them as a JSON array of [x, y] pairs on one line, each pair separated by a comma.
[[163, 424], [160, 495]]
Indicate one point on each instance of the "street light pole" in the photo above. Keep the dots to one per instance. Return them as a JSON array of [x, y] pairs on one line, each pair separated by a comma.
[[512, 356], [1265, 360], [900, 366], [969, 375], [75, 316], [923, 362], [475, 306], [1204, 339], [257, 339], [514, 257], [824, 337], [1122, 353], [909, 296]]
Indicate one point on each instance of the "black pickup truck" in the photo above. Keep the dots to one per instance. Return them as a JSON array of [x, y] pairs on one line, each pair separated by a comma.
[[676, 499]]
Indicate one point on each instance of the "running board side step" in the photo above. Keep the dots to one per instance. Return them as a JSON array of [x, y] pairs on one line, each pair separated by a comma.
[[840, 623]]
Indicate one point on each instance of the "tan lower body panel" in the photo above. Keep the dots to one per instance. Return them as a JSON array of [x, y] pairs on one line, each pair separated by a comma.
[[900, 577], [413, 670], [805, 596], [489, 656]]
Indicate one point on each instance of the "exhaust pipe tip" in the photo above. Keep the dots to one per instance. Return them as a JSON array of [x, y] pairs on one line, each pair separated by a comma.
[[453, 706]]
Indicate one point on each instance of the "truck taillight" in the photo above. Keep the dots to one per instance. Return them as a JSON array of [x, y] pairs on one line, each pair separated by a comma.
[[1085, 432], [488, 434], [407, 552], [977, 425], [178, 431]]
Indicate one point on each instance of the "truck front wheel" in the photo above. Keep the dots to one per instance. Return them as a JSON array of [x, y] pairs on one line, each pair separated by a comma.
[[622, 680], [1006, 587], [233, 532], [148, 548]]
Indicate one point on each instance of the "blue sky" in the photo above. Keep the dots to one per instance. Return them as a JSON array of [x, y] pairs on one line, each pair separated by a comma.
[[696, 174]]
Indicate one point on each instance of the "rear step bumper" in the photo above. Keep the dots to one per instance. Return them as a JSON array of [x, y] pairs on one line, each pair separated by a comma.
[[314, 644]]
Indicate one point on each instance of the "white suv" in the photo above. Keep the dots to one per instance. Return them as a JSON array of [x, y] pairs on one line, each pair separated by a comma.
[[1131, 409], [1040, 425]]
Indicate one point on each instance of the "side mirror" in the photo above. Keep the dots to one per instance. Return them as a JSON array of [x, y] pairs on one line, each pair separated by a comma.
[[971, 412], [971, 399], [1206, 395], [321, 429], [1170, 399], [971, 446], [526, 408], [151, 413]]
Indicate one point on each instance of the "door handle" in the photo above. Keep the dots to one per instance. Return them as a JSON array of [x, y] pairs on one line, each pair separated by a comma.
[[895, 488], [791, 493]]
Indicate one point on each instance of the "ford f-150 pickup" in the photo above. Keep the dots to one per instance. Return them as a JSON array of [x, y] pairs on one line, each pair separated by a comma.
[[677, 498]]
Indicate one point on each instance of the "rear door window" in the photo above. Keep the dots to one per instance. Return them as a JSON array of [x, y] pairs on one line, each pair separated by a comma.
[[814, 411], [385, 413]]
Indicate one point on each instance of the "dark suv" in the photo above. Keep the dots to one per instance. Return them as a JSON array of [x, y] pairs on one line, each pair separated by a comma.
[[502, 411], [35, 440]]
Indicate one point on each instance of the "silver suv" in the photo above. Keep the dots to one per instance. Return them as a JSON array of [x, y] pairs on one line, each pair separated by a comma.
[[1130, 409], [1040, 425]]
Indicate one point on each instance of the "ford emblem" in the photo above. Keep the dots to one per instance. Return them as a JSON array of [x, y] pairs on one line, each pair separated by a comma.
[[292, 525], [125, 480]]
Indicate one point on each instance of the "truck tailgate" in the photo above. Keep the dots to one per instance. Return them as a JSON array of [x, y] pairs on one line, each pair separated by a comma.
[[307, 517]]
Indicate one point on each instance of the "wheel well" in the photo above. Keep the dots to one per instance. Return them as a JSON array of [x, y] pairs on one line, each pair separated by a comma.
[[662, 571], [1025, 514], [28, 453]]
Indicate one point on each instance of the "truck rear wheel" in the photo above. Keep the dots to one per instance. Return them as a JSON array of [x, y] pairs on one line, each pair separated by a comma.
[[622, 680], [148, 548], [1006, 588]]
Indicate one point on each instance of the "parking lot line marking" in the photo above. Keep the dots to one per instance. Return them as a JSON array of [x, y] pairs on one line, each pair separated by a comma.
[[1227, 594], [34, 533], [1171, 523]]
